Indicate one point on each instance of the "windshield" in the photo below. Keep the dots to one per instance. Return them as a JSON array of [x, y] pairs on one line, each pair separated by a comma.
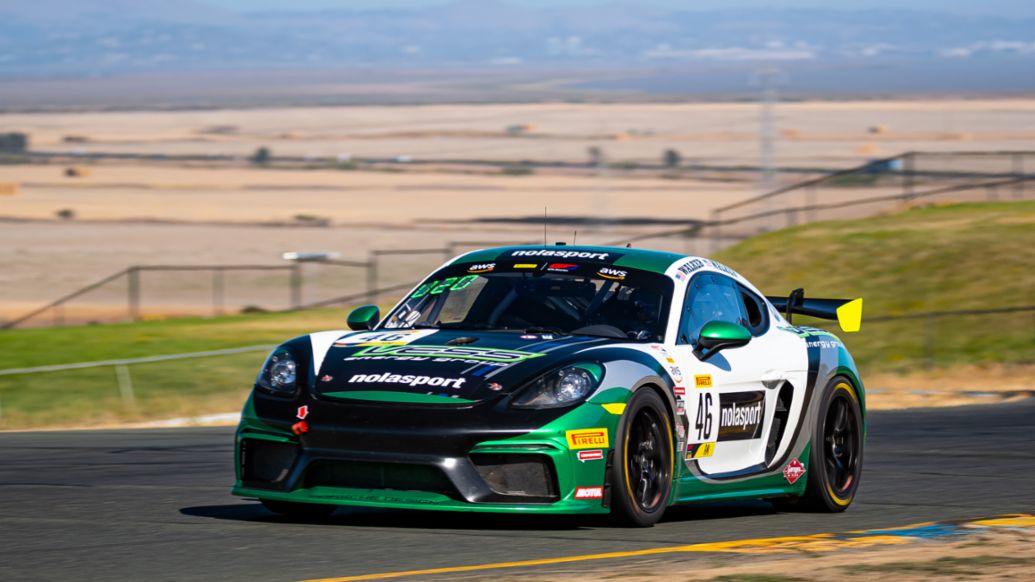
[[541, 297]]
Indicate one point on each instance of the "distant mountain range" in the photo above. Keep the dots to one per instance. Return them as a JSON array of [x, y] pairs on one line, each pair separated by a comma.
[[43, 38]]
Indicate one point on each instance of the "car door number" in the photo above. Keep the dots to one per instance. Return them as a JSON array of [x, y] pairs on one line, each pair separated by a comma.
[[705, 406], [703, 425]]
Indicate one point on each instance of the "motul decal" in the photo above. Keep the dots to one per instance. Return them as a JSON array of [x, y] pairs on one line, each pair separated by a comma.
[[589, 493], [793, 471], [594, 455]]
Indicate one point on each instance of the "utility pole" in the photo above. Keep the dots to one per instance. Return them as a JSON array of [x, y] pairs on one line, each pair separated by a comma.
[[766, 78]]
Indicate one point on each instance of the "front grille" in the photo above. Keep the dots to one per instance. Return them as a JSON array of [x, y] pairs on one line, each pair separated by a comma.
[[368, 475], [266, 461], [529, 476]]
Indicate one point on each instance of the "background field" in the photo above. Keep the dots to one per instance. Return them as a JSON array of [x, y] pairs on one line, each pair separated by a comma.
[[971, 256]]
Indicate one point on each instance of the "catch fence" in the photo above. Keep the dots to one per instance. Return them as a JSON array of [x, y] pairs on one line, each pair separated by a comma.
[[216, 381]]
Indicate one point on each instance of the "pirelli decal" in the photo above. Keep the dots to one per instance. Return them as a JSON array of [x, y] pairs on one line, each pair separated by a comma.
[[703, 380], [588, 438], [741, 415]]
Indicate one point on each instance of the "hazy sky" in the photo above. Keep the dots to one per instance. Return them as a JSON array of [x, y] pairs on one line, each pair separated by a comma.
[[1001, 7]]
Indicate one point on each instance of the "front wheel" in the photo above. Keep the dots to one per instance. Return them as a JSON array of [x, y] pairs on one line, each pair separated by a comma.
[[836, 455], [642, 471], [302, 511]]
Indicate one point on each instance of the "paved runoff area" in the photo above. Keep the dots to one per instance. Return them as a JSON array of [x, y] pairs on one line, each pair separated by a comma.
[[155, 505]]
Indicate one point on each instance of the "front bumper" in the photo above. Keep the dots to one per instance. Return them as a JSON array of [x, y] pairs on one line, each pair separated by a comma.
[[460, 458]]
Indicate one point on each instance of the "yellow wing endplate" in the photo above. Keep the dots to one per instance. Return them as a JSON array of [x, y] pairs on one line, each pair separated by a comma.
[[849, 315]]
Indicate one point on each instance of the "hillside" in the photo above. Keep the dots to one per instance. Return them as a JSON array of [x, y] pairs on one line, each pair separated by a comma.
[[940, 258]]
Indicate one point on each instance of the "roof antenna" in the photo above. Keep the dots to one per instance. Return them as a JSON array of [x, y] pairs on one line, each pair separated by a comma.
[[628, 245], [544, 226], [574, 235]]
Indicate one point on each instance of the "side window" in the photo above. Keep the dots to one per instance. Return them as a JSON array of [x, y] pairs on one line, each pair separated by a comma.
[[709, 298], [756, 314]]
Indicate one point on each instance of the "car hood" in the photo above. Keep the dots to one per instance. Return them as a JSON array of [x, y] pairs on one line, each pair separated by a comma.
[[441, 366]]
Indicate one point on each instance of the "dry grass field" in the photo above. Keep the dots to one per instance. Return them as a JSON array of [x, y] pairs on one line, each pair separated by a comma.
[[168, 212], [811, 132]]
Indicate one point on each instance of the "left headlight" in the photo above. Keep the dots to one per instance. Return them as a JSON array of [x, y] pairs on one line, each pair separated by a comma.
[[280, 372], [561, 387]]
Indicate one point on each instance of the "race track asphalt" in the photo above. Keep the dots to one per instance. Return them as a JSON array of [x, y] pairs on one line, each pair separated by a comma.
[[155, 505]]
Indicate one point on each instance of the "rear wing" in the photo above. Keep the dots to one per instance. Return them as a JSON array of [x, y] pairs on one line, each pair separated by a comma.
[[847, 312]]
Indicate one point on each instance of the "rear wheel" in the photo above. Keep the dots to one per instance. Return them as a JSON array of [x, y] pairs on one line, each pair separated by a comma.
[[644, 452], [836, 455], [298, 510]]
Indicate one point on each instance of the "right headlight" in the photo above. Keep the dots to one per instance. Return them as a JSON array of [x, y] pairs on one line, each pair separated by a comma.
[[280, 372], [561, 387]]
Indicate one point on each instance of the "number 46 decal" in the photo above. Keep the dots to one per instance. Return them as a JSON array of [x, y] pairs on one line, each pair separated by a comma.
[[705, 429], [704, 417]]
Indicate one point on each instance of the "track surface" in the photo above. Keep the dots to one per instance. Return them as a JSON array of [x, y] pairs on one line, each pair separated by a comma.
[[155, 505]]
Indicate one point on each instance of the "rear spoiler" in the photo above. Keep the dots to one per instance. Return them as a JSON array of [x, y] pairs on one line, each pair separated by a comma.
[[847, 312]]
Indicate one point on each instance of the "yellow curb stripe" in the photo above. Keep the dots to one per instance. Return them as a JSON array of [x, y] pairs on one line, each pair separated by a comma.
[[823, 542]]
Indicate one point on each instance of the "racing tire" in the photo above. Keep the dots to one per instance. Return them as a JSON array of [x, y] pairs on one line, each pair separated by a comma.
[[836, 455], [644, 454], [294, 510]]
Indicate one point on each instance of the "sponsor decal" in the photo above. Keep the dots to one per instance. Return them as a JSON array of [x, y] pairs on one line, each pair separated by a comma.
[[703, 380], [680, 430], [529, 337], [589, 493], [590, 438], [482, 268], [495, 386], [408, 379], [447, 352], [383, 338], [561, 267], [740, 415], [689, 266], [670, 359], [680, 409], [302, 412], [679, 390], [300, 428], [326, 378], [594, 455], [793, 471], [723, 268], [677, 374], [526, 265], [613, 274], [700, 450], [563, 254]]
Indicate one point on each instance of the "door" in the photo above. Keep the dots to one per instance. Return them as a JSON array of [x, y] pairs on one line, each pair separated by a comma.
[[725, 396]]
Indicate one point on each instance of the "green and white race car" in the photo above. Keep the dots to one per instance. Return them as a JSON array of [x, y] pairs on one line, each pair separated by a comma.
[[561, 379]]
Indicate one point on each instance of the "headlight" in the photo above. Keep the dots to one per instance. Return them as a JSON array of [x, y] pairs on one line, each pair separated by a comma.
[[280, 372], [561, 387]]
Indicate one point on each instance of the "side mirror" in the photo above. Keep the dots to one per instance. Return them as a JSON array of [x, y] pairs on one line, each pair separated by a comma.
[[365, 317], [720, 335]]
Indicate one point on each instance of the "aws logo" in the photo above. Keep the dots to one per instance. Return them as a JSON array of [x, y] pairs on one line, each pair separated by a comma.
[[613, 274], [482, 268]]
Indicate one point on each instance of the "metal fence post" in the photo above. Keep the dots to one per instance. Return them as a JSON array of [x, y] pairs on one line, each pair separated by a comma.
[[218, 293], [296, 285], [133, 292], [125, 384], [908, 167], [1018, 169], [716, 218], [372, 278]]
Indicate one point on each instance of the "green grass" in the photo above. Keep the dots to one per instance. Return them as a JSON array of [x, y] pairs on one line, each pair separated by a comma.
[[161, 389], [940, 258]]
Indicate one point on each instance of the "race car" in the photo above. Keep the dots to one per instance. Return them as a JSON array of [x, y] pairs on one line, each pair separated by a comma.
[[558, 379]]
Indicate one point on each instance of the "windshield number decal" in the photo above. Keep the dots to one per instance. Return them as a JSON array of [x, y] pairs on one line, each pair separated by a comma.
[[449, 283]]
